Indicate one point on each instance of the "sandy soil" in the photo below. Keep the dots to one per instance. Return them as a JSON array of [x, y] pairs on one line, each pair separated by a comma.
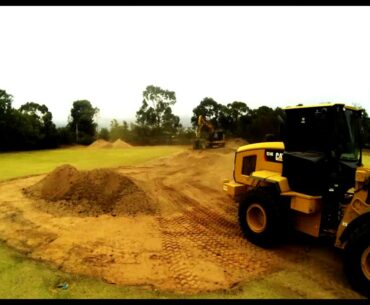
[[100, 144], [189, 243], [105, 144], [121, 144]]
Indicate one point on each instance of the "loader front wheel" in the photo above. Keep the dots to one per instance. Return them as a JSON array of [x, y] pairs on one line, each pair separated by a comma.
[[256, 217], [357, 260], [260, 217]]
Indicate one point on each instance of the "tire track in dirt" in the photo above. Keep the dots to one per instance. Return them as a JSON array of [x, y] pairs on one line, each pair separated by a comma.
[[218, 234], [30, 236], [177, 258], [216, 239]]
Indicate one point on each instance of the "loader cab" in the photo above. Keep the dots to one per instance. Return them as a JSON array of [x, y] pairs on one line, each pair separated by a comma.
[[322, 147], [217, 135]]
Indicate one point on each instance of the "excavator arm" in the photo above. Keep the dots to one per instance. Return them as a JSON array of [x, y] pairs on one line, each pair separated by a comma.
[[202, 122], [215, 138]]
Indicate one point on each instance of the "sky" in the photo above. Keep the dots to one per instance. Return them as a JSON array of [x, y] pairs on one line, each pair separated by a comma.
[[273, 56]]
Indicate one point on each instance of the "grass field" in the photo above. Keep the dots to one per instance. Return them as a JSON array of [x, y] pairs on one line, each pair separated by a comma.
[[21, 164]]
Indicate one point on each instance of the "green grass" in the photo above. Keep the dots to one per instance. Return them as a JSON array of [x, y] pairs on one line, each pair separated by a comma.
[[19, 164]]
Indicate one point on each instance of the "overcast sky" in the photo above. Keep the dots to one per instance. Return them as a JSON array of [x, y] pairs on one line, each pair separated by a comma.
[[274, 56]]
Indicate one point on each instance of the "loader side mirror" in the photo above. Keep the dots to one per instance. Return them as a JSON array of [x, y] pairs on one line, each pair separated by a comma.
[[361, 137], [282, 127]]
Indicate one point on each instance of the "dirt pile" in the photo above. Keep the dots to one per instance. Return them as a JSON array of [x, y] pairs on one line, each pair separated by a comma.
[[235, 143], [100, 144], [105, 144], [121, 144], [90, 193]]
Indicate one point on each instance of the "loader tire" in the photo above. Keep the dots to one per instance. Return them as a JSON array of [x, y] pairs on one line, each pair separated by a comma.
[[356, 262], [260, 217]]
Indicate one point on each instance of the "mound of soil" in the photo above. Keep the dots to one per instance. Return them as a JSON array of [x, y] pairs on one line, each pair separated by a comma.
[[235, 143], [100, 144], [121, 144], [90, 193]]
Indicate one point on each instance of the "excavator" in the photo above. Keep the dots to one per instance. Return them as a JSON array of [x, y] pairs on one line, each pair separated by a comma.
[[214, 137]]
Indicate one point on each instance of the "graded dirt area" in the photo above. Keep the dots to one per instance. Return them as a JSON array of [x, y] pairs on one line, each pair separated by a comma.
[[165, 224]]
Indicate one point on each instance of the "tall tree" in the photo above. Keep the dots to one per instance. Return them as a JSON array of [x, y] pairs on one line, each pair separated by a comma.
[[209, 109], [81, 122], [170, 122], [116, 130], [29, 127], [103, 134], [5, 102], [226, 117], [156, 109], [264, 122], [40, 118], [5, 119], [235, 112]]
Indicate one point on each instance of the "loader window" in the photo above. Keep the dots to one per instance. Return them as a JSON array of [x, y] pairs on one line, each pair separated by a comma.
[[308, 130], [349, 132], [249, 165]]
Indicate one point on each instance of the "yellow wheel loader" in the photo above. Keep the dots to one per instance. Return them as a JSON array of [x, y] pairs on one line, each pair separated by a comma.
[[313, 181], [214, 137]]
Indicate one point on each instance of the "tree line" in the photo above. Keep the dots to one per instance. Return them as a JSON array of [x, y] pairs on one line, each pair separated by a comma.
[[156, 124], [31, 125], [238, 120]]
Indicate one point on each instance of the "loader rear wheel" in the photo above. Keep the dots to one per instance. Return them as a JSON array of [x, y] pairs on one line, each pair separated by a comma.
[[357, 260], [260, 217]]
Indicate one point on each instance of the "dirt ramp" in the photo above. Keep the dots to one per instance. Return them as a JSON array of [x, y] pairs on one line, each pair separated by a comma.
[[90, 193], [121, 144], [235, 143], [100, 144]]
